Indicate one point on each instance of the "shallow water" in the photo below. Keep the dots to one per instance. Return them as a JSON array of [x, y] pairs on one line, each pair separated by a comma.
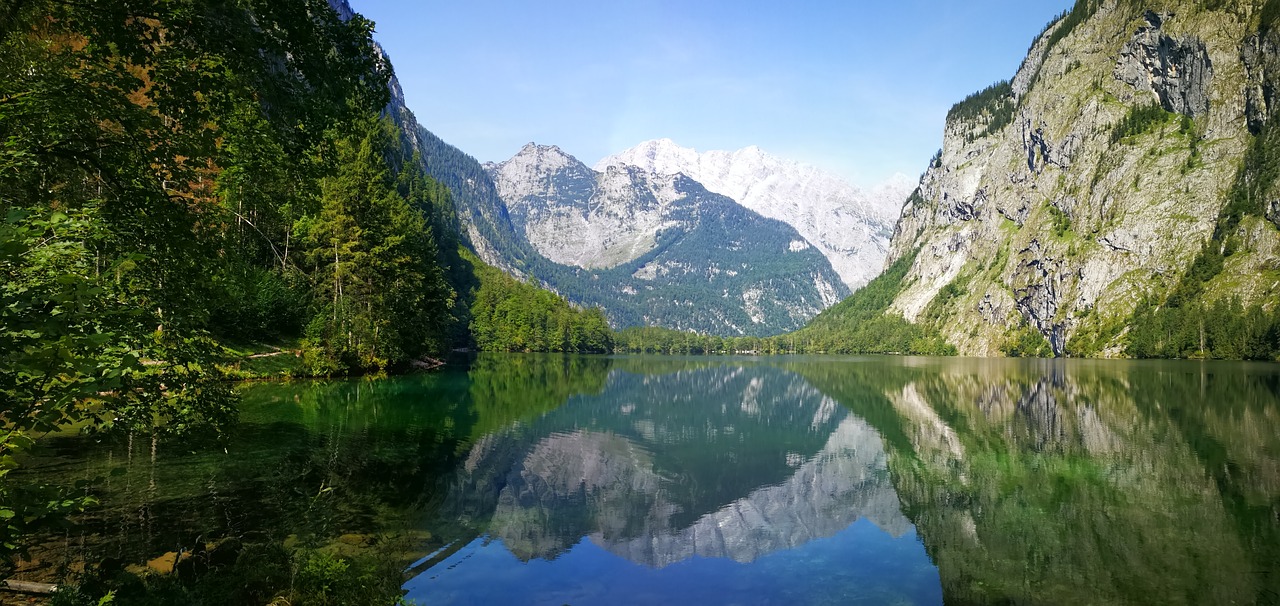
[[789, 480]]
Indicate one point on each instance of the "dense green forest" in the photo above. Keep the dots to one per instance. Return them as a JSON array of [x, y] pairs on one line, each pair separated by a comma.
[[510, 315], [863, 323], [993, 106]]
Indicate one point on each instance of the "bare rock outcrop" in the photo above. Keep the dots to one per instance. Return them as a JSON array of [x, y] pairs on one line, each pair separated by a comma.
[[1177, 69]]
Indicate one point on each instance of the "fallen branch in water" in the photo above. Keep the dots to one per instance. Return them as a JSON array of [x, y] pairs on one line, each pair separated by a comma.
[[426, 363], [28, 587]]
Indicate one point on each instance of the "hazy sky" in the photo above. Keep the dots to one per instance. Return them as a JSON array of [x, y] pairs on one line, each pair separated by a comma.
[[859, 88]]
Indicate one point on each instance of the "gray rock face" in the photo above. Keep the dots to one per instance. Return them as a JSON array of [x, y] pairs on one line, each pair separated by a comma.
[[1030, 68], [1178, 70], [576, 216], [849, 226], [1037, 291], [1261, 57]]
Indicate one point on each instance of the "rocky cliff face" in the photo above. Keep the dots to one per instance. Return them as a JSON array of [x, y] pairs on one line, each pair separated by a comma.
[[1065, 198], [849, 226], [576, 216]]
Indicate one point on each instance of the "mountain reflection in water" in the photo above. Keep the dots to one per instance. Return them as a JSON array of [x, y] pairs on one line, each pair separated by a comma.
[[1044, 481], [789, 480], [720, 462], [630, 469]]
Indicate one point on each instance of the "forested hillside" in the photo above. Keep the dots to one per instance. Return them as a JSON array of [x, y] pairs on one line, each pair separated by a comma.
[[510, 315], [176, 176]]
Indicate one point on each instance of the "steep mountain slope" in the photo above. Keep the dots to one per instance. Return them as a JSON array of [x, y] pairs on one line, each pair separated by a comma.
[[651, 249], [850, 227], [483, 216], [1128, 169]]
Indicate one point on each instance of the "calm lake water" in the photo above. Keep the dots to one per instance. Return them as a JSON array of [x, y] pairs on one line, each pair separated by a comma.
[[526, 479]]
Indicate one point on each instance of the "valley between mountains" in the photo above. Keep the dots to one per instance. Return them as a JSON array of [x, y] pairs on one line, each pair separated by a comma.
[[196, 194], [1117, 196]]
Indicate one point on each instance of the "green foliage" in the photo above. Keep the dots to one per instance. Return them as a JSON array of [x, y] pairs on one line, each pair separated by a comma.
[[1255, 180], [254, 573], [937, 309], [859, 324], [1189, 323], [994, 105], [509, 315], [1270, 17], [250, 302], [1061, 221], [1139, 120], [508, 389], [1032, 484], [656, 340], [76, 350], [1026, 342], [916, 199], [1225, 329], [154, 160], [652, 339], [1093, 335], [381, 296], [1187, 128], [862, 323]]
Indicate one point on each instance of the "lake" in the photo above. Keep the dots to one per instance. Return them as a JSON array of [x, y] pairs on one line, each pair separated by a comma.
[[532, 479]]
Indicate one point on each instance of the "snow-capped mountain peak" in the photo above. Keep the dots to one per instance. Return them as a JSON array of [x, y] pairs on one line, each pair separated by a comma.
[[851, 227]]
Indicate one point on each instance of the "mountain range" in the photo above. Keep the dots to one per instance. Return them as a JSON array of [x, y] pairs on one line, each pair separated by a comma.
[[850, 227], [649, 248], [1117, 191], [654, 249], [642, 236]]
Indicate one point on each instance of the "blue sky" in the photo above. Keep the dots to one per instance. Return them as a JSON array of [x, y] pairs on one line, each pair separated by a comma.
[[859, 88]]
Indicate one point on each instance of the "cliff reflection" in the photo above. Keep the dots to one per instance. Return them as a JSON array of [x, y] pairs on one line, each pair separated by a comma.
[[1065, 481]]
